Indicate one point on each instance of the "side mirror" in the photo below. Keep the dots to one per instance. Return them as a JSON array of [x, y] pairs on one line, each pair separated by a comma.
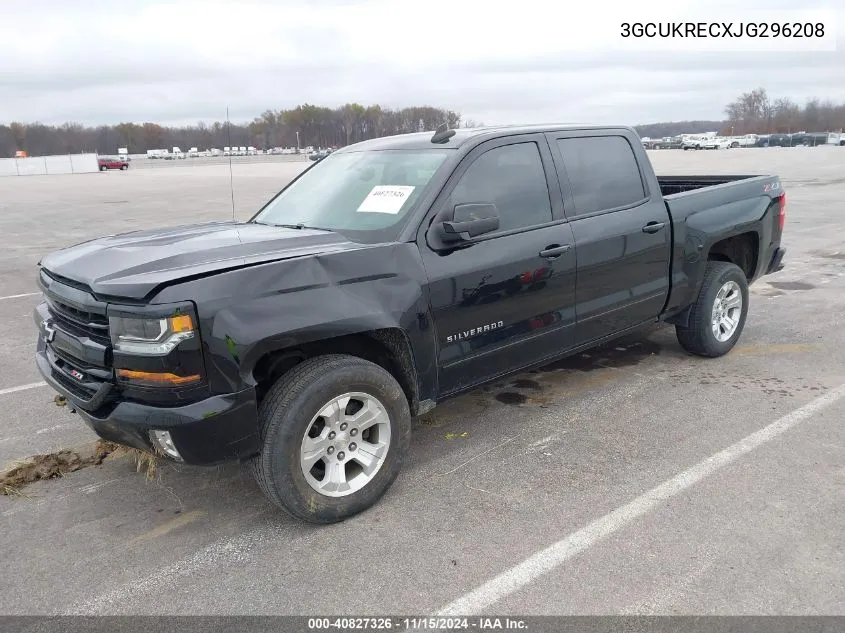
[[469, 221]]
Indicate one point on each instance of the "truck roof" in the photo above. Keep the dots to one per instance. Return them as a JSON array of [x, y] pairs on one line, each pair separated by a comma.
[[422, 140]]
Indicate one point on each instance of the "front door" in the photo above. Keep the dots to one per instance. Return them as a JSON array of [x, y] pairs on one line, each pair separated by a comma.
[[499, 304]]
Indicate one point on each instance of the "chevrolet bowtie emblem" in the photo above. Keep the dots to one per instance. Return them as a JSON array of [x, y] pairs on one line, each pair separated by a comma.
[[49, 331]]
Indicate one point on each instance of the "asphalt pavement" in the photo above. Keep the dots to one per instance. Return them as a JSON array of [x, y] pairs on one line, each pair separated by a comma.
[[634, 479]]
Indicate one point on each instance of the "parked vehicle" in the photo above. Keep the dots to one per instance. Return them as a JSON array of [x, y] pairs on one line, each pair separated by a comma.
[[831, 138], [746, 140], [774, 140], [813, 139], [107, 162], [392, 275], [156, 153], [692, 141], [670, 142], [715, 142], [319, 154]]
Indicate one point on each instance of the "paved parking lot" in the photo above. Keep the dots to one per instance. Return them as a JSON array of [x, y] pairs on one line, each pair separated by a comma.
[[635, 479]]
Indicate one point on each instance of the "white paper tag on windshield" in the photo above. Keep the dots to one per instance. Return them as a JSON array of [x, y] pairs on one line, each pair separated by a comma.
[[386, 199]]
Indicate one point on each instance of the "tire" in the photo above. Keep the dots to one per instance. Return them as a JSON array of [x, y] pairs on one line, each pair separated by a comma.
[[699, 337], [103, 168], [290, 411], [124, 167]]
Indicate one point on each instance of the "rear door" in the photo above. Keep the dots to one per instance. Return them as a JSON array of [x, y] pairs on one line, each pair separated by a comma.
[[499, 304], [622, 232]]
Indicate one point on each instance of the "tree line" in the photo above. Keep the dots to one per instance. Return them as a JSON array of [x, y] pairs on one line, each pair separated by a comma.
[[301, 126], [675, 128], [755, 112], [751, 113]]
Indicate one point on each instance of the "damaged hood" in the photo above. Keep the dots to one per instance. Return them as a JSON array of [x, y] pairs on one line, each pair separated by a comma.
[[133, 265]]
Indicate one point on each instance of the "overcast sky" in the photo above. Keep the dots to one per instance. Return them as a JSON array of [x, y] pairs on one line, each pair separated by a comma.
[[496, 61]]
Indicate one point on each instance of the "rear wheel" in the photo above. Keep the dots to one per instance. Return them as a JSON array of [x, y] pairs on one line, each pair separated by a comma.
[[718, 316], [103, 168], [335, 431]]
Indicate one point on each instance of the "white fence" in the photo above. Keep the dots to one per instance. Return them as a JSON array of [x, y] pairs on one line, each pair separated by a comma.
[[44, 165]]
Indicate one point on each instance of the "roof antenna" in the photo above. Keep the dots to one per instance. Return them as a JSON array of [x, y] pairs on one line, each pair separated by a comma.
[[442, 134], [231, 179]]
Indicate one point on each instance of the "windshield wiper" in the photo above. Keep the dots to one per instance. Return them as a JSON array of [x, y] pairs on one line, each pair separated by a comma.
[[299, 226]]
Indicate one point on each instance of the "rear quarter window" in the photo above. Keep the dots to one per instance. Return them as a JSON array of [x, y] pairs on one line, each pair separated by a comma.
[[603, 173]]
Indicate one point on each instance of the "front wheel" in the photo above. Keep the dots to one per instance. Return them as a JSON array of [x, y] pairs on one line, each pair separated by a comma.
[[718, 316], [335, 431]]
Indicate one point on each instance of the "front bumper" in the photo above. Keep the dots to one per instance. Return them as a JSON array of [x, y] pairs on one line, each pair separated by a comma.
[[218, 429]]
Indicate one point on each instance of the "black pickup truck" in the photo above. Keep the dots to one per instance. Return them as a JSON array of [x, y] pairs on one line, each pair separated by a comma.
[[387, 277]]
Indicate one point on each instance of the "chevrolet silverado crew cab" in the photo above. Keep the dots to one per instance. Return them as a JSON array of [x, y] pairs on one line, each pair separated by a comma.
[[385, 278]]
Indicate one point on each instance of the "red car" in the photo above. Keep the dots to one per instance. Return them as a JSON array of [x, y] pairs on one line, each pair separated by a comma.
[[112, 163]]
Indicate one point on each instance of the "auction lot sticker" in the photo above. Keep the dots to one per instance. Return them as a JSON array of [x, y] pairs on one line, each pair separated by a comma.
[[386, 199]]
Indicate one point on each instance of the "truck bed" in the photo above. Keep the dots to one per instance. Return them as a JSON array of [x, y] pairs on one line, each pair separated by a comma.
[[670, 185]]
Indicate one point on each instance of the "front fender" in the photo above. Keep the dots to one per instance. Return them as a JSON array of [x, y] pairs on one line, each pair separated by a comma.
[[247, 313]]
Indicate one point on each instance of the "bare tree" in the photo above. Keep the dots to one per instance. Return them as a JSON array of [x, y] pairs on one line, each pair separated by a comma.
[[310, 124]]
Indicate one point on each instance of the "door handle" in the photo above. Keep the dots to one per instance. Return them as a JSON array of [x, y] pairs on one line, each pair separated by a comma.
[[554, 250], [653, 227]]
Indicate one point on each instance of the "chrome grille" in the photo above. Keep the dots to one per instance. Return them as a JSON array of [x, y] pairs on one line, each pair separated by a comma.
[[79, 322], [79, 354]]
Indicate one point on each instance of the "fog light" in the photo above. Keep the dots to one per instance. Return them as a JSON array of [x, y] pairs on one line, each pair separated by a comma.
[[163, 442]]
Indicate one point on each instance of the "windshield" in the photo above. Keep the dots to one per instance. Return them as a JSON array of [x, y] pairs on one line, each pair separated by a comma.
[[365, 195]]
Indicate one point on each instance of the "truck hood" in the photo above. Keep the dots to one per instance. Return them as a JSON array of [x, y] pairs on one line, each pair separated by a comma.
[[133, 265]]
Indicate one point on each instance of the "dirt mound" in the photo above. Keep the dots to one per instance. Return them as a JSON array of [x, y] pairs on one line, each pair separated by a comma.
[[53, 465]]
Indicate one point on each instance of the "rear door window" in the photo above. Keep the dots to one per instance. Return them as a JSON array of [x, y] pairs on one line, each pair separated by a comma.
[[603, 173]]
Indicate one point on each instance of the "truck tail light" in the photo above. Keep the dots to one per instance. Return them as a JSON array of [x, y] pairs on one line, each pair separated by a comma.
[[781, 210]]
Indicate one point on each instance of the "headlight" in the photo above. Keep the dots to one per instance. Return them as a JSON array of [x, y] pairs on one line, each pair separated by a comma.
[[157, 346], [150, 337]]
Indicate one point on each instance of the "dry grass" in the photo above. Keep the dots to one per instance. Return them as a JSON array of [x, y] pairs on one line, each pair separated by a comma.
[[146, 462]]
